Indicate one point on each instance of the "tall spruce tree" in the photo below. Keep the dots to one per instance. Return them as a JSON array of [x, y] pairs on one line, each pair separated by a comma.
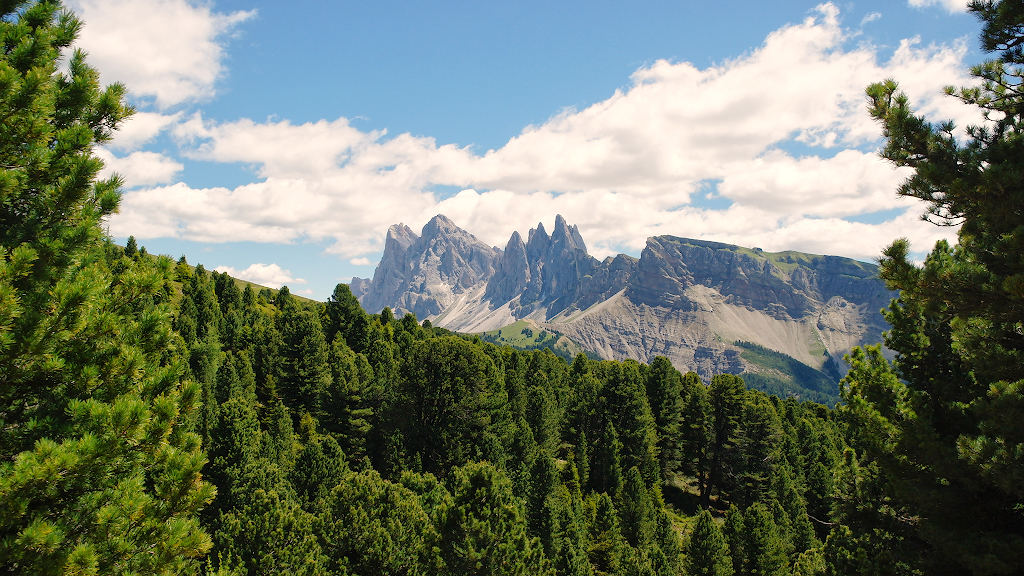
[[944, 419], [96, 460]]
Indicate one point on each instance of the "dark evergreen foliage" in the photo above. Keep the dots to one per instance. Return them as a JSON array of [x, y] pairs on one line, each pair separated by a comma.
[[346, 443]]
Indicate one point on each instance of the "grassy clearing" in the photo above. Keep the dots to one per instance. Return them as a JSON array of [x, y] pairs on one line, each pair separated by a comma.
[[528, 335]]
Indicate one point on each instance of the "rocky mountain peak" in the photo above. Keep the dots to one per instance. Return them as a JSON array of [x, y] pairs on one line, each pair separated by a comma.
[[441, 225], [512, 274], [567, 237], [424, 274], [538, 242], [399, 237]]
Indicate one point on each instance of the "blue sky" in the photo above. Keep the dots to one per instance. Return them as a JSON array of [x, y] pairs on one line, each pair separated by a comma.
[[280, 140]]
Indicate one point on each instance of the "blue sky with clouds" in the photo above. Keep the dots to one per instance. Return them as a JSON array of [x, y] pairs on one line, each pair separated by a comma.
[[280, 140]]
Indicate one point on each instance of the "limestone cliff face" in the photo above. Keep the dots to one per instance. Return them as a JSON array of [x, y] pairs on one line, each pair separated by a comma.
[[689, 300], [784, 286], [425, 274]]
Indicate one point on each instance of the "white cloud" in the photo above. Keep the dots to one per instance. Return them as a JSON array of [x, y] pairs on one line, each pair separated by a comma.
[[852, 182], [951, 5], [270, 275], [141, 128], [870, 18], [168, 50], [622, 169], [139, 168], [364, 261]]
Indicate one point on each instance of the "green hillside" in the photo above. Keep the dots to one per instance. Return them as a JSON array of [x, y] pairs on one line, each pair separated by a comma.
[[784, 376], [526, 335]]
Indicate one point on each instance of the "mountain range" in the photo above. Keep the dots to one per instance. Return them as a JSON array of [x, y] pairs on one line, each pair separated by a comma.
[[707, 306]]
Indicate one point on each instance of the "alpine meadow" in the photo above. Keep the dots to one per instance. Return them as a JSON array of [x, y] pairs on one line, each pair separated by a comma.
[[157, 417]]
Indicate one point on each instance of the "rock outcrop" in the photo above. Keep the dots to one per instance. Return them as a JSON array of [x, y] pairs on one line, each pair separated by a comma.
[[689, 300]]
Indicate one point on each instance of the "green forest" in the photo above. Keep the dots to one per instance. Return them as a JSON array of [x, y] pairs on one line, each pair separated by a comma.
[[157, 418]]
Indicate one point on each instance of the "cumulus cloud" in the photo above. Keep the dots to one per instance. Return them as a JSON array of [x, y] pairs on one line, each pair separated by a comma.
[[951, 5], [167, 50], [364, 261], [270, 275], [141, 128], [139, 168], [851, 182], [622, 169]]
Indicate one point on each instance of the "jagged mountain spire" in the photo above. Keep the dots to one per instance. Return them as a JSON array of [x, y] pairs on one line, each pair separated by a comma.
[[425, 274]]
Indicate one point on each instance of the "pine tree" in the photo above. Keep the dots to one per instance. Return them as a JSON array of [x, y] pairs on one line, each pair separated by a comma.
[[306, 374], [707, 553], [96, 459], [543, 415], [373, 527], [484, 531], [665, 391], [725, 396], [318, 469], [628, 408], [732, 530], [943, 420], [764, 548], [571, 542], [543, 481], [131, 248], [452, 394], [636, 510], [758, 449], [270, 534], [696, 433], [666, 551], [605, 539], [343, 315], [347, 411], [605, 466]]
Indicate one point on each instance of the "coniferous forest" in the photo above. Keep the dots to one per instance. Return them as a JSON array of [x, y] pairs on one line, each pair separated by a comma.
[[157, 418]]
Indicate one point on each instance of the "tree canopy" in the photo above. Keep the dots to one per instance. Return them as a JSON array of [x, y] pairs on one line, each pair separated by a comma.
[[99, 468], [943, 420]]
